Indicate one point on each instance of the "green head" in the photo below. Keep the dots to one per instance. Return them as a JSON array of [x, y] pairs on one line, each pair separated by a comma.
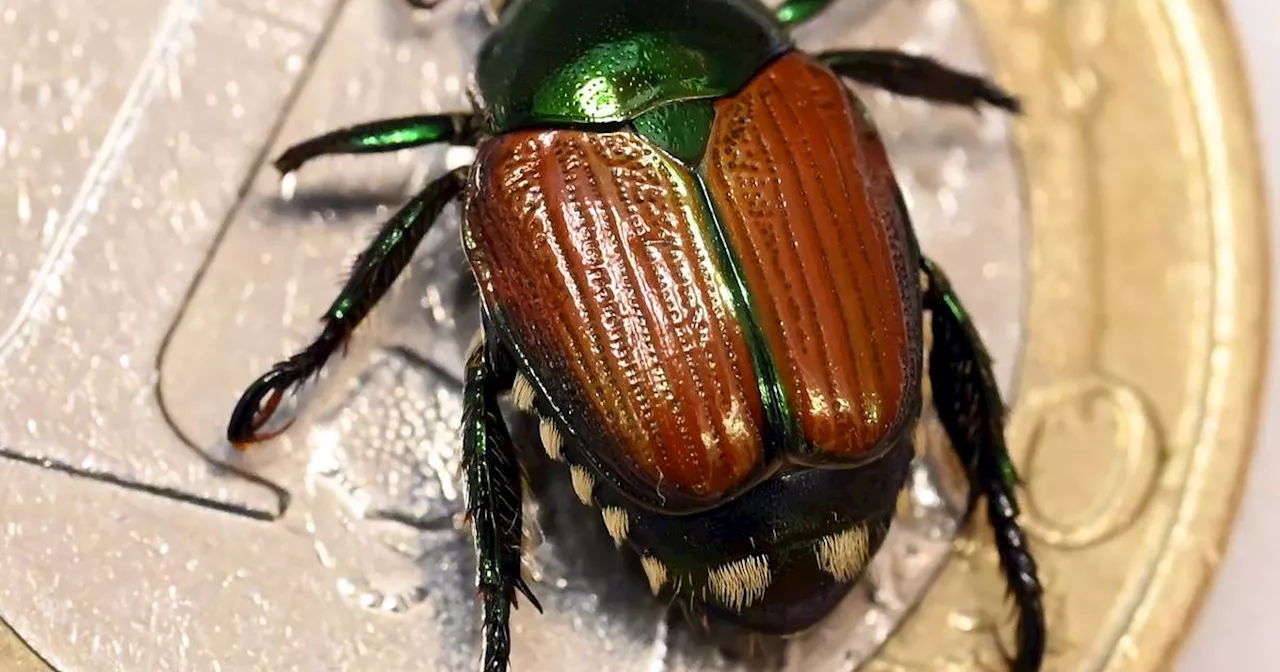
[[582, 62]]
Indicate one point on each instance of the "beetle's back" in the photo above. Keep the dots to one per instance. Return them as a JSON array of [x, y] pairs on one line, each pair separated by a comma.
[[592, 250], [691, 327], [804, 188]]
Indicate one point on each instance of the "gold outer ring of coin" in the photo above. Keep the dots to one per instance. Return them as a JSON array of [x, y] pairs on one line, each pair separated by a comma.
[[1140, 385], [1139, 388]]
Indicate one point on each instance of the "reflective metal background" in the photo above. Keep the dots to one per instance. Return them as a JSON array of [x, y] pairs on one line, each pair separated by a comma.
[[149, 270]]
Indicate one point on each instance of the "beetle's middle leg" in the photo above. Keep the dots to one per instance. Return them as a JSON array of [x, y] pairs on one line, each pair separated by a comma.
[[918, 77], [373, 273], [493, 496], [972, 412]]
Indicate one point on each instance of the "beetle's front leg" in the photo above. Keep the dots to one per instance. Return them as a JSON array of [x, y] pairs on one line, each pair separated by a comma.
[[383, 135], [493, 497], [375, 270], [917, 77], [795, 12], [969, 405]]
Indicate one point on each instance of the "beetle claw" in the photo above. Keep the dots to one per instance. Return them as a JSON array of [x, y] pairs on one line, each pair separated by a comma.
[[256, 407], [1010, 659]]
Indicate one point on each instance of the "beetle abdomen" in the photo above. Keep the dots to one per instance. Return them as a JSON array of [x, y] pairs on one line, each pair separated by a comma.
[[802, 185], [593, 249]]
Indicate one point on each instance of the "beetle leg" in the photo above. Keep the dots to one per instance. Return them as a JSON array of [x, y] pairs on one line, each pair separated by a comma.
[[493, 498], [969, 405], [374, 272], [918, 77], [383, 135], [492, 8], [795, 12]]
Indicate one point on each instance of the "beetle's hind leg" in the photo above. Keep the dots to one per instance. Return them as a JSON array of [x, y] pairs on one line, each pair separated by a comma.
[[918, 77], [969, 405], [383, 135], [373, 273], [493, 497]]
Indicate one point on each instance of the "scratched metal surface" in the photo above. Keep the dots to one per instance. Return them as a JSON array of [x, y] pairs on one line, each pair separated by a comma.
[[149, 269]]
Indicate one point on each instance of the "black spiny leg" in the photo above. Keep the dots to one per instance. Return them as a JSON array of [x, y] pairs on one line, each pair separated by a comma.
[[971, 410], [374, 272], [493, 498], [917, 77], [384, 135]]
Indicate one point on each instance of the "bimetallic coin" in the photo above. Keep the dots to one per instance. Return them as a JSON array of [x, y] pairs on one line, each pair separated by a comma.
[[1103, 243]]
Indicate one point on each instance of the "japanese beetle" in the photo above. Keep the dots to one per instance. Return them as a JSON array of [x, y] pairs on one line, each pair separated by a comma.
[[696, 267]]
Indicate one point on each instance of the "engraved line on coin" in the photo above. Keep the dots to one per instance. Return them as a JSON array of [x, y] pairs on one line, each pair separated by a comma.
[[1086, 36], [1084, 92], [254, 169], [178, 18], [259, 11], [1062, 151], [1129, 485], [109, 478], [14, 648]]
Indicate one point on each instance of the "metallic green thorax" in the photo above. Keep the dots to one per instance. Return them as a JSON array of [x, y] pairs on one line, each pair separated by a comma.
[[561, 62]]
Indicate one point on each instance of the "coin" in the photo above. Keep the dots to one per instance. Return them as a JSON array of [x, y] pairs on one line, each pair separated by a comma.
[[1140, 385], [15, 656], [1148, 380]]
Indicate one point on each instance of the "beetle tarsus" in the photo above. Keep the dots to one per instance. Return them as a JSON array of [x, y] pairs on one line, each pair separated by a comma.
[[1020, 573], [375, 270], [493, 498], [972, 412], [918, 77], [258, 404], [383, 135]]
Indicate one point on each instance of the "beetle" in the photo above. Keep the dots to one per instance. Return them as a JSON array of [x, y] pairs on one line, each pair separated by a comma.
[[696, 267]]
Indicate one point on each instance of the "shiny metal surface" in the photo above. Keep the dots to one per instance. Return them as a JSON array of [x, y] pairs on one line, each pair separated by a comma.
[[150, 268]]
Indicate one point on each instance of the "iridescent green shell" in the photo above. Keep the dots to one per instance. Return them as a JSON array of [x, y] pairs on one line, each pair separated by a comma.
[[560, 62]]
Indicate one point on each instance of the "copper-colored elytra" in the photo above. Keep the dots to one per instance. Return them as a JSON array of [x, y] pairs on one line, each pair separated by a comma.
[[802, 185], [595, 246]]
